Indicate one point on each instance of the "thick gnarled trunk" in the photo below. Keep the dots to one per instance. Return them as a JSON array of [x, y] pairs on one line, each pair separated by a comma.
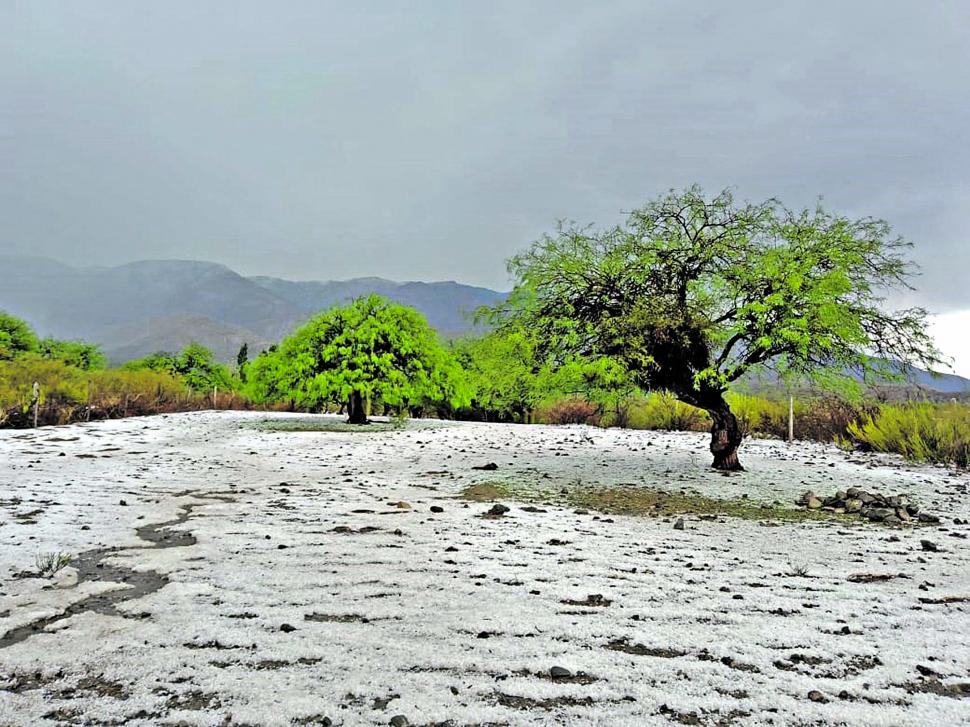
[[725, 437], [356, 413]]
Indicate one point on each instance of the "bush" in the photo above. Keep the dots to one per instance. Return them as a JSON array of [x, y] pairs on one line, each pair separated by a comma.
[[568, 411], [924, 432], [662, 410]]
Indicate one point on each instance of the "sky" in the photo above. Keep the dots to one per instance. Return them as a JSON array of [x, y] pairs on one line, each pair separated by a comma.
[[431, 140]]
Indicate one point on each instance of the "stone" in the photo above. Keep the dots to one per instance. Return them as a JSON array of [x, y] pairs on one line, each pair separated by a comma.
[[399, 720], [498, 510], [437, 508], [817, 696], [489, 467], [679, 525], [929, 546], [925, 517], [558, 672], [814, 503], [853, 505], [287, 628]]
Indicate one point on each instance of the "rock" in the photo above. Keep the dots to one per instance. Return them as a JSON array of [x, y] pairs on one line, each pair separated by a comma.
[[399, 720], [401, 505], [817, 696], [498, 510], [66, 577], [926, 671], [925, 517], [929, 546], [558, 672], [814, 503], [853, 505], [806, 496], [286, 628], [892, 520], [679, 525], [437, 508], [491, 466]]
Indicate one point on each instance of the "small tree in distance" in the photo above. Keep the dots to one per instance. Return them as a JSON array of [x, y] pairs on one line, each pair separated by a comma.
[[371, 349], [692, 293]]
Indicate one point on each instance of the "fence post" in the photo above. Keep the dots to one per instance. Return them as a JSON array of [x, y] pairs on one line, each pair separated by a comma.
[[215, 397], [791, 418], [36, 402]]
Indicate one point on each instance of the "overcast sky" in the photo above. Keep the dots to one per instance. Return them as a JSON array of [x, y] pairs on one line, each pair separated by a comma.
[[431, 140]]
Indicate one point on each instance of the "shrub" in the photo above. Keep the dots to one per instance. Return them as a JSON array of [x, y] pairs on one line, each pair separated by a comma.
[[662, 410], [568, 411], [924, 432]]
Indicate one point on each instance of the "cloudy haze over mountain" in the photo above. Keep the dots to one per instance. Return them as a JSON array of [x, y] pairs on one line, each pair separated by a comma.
[[429, 141]]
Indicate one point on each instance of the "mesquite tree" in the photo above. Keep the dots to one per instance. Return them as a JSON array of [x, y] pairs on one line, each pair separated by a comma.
[[691, 293], [368, 350]]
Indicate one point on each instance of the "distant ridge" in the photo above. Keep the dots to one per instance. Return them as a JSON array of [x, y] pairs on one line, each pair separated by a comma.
[[149, 305]]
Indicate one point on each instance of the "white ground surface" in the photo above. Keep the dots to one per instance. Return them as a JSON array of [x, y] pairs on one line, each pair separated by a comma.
[[729, 634]]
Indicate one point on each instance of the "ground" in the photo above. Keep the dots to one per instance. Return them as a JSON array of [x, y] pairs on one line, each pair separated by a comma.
[[226, 573]]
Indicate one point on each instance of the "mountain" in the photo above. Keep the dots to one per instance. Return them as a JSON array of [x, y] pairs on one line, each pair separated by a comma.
[[151, 305]]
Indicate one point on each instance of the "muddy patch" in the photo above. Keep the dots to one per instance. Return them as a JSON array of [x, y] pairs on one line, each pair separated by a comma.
[[94, 565]]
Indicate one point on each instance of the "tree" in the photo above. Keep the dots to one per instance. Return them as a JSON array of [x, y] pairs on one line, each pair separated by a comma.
[[691, 293], [85, 356], [242, 358], [369, 350], [502, 374], [16, 337], [195, 365]]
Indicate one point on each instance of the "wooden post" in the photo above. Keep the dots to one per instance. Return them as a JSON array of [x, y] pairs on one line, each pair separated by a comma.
[[791, 418], [215, 397], [36, 402]]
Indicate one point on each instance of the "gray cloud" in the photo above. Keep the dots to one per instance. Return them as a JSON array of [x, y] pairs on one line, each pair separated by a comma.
[[319, 140]]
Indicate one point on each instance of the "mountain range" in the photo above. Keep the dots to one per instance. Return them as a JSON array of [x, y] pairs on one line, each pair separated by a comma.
[[162, 305]]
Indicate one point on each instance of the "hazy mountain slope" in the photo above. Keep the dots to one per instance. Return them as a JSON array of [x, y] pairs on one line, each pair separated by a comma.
[[152, 305], [446, 304], [82, 303], [134, 340]]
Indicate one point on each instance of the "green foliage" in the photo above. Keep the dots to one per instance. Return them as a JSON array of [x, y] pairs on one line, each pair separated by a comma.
[[195, 365], [59, 383], [691, 293], [16, 337], [86, 356], [379, 350], [661, 410], [924, 432], [503, 380]]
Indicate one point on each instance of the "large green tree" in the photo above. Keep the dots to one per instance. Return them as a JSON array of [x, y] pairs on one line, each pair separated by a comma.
[[369, 350], [693, 292]]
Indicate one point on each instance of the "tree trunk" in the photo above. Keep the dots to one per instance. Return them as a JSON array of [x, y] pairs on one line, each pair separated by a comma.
[[725, 437], [356, 414]]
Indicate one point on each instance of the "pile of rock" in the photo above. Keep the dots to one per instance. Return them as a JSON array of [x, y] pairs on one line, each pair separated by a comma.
[[888, 509]]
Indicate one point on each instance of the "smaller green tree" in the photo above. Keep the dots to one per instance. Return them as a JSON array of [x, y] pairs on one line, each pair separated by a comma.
[[82, 355], [502, 373], [16, 337], [242, 358], [369, 350], [195, 365]]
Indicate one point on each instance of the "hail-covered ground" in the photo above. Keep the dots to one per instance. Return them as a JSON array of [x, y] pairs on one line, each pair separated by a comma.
[[224, 573]]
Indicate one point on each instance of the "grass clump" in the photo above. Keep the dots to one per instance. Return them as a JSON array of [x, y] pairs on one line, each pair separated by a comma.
[[643, 501], [319, 424], [923, 432], [48, 564]]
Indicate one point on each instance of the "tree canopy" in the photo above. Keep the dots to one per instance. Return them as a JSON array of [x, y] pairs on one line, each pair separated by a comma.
[[369, 350], [195, 365], [16, 337], [691, 293]]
